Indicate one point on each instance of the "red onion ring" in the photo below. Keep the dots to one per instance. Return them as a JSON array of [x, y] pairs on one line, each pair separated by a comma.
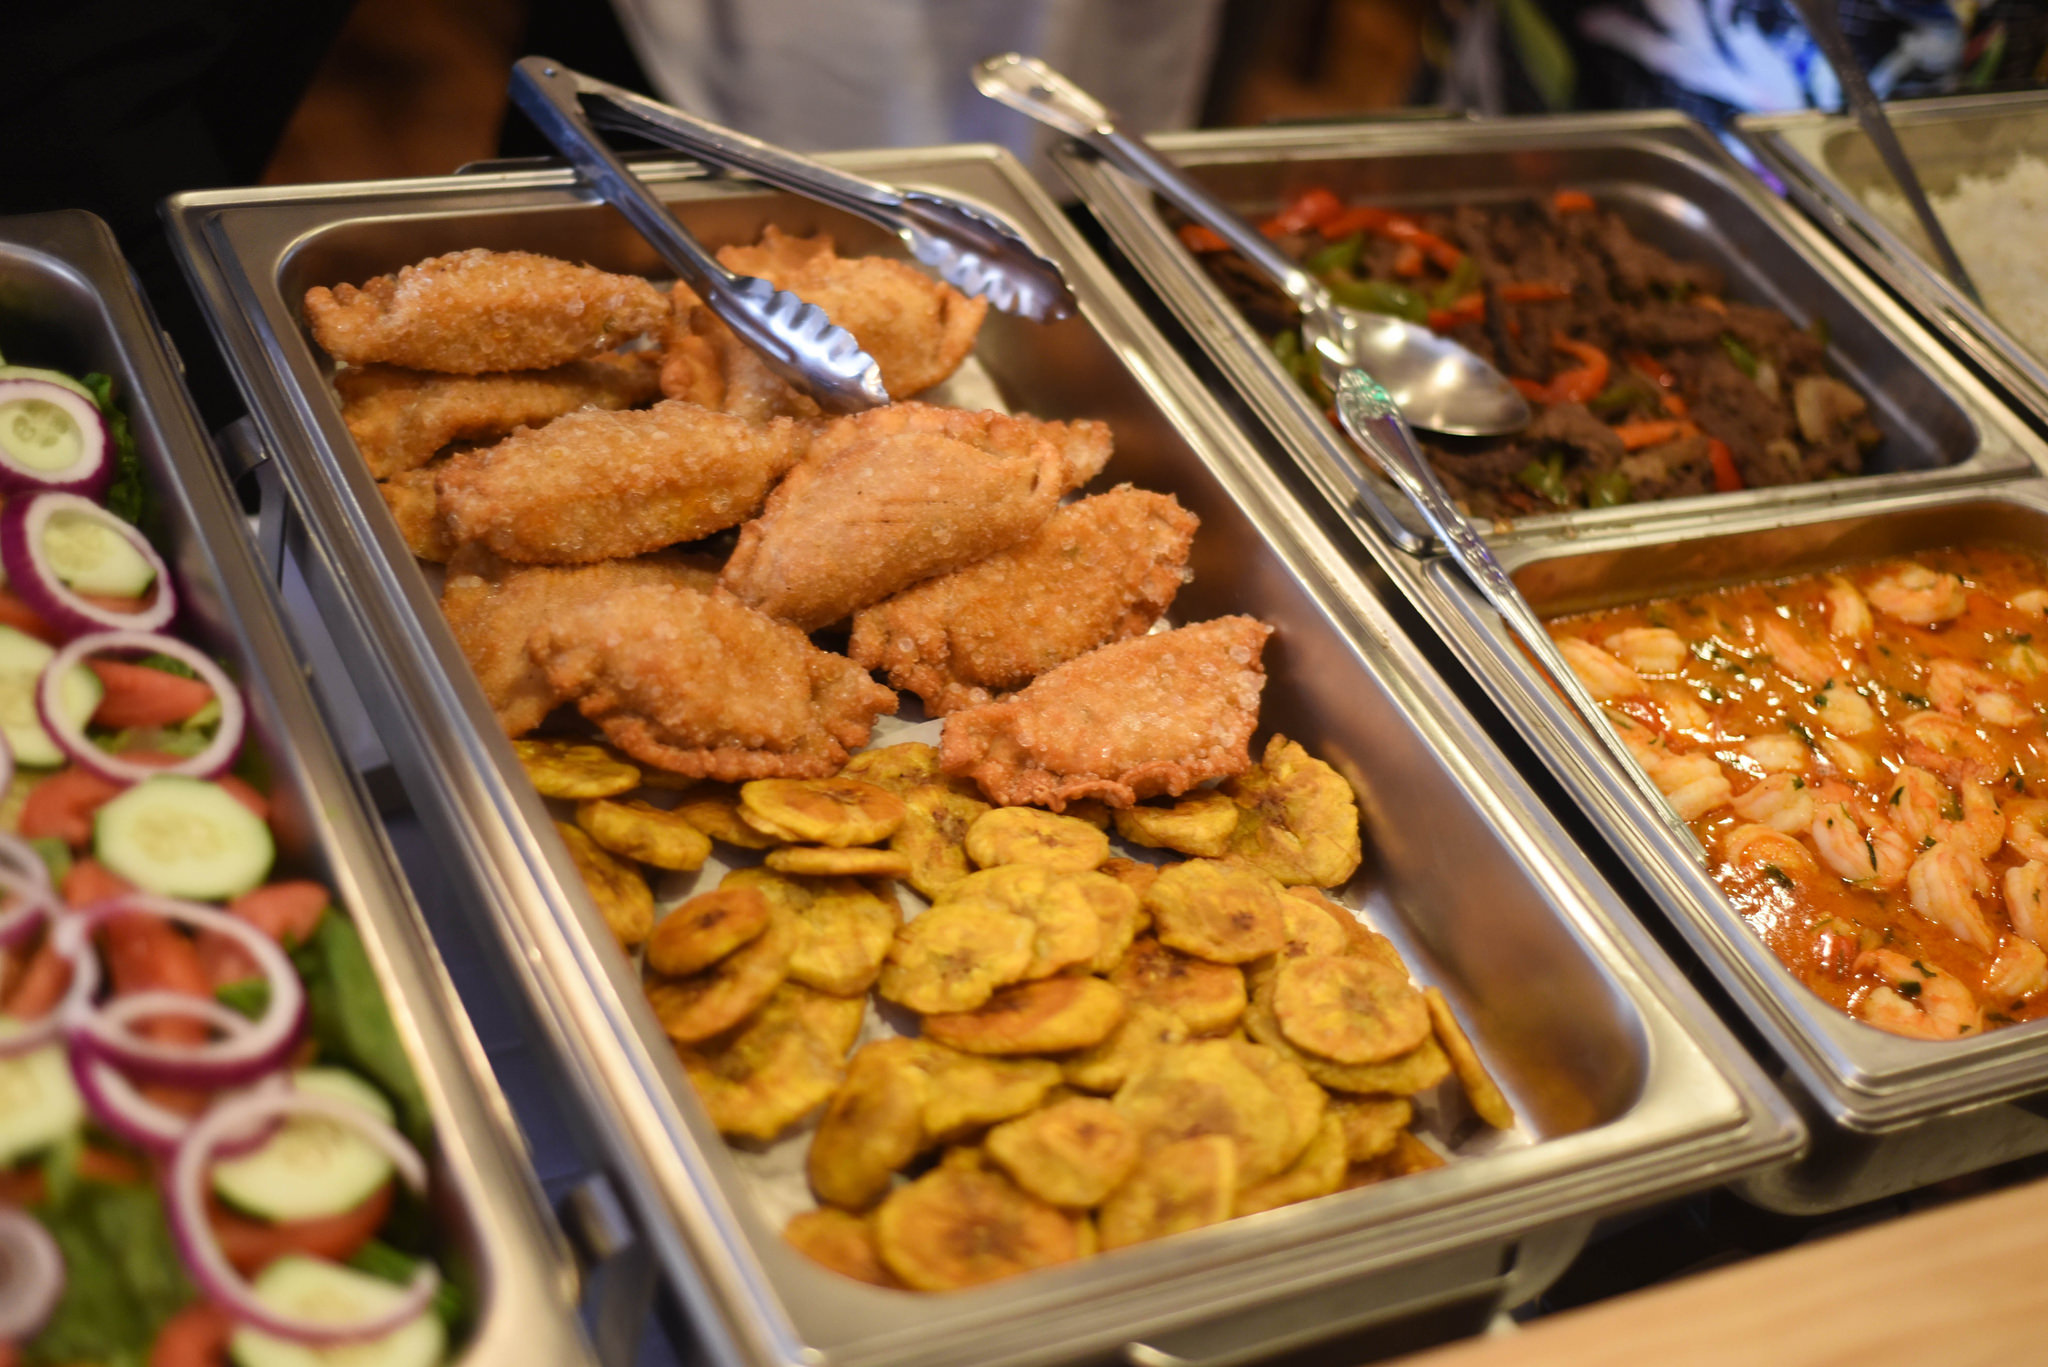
[[129, 1115], [22, 522], [68, 937], [70, 736], [91, 473], [108, 1029], [31, 1276], [33, 904], [185, 1199], [17, 856]]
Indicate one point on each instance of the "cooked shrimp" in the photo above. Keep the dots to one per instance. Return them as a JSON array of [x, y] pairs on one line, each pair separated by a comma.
[[2019, 971], [1765, 847], [2031, 600], [1918, 804], [2026, 900], [1917, 1001], [2024, 664], [1960, 689], [1694, 784], [1848, 613], [1849, 758], [1943, 886], [1836, 943], [1604, 676], [2026, 828], [1683, 711], [1782, 802], [1780, 752], [1980, 830], [1844, 711], [1916, 594], [1948, 747], [1646, 745], [1649, 650], [1864, 852], [1788, 646]]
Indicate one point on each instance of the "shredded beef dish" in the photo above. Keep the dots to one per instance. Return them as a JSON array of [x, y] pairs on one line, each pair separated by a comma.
[[1647, 383]]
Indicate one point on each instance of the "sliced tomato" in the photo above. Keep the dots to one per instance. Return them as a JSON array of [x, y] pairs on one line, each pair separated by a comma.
[[40, 986], [147, 953], [247, 795], [22, 1186], [90, 881], [61, 806], [196, 1336], [137, 695], [23, 618], [250, 1245], [105, 1165], [288, 912]]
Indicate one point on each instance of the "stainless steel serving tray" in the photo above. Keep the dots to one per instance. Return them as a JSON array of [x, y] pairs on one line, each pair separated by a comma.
[[67, 301], [1866, 1081], [1676, 187], [1630, 1089], [1826, 163]]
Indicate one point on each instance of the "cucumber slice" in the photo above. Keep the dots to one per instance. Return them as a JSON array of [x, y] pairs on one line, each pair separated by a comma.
[[30, 372], [317, 1289], [85, 551], [22, 658], [311, 1167], [39, 1103], [183, 837]]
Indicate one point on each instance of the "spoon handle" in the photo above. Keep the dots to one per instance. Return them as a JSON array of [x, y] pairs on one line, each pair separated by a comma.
[[1375, 423], [1033, 88]]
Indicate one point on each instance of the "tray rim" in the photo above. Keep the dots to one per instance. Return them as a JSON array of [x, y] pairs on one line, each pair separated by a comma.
[[1761, 1124]]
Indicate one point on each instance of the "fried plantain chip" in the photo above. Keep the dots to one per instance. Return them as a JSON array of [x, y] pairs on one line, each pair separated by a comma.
[[1225, 913], [621, 894], [902, 767], [1201, 824], [969, 1093], [1104, 1067], [839, 812], [956, 1227], [1116, 908], [933, 836], [844, 934], [715, 810], [1094, 811], [843, 1242], [1302, 1101], [1049, 1016], [1072, 1153], [640, 830], [714, 1001], [1489, 1103], [575, 769], [873, 1125], [1300, 818], [1312, 932], [1134, 874], [1365, 942], [1348, 1010], [1068, 928], [1371, 1123], [1178, 1187], [954, 956], [778, 1066], [1406, 1074], [1408, 1155], [826, 861], [1208, 998], [1205, 1087], [1318, 1171], [703, 930], [1031, 835]]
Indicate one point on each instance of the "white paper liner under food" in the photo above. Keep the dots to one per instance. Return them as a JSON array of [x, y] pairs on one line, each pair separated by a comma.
[[774, 1172]]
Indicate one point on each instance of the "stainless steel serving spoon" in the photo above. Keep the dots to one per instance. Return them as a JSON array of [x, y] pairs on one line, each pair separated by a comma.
[[1437, 384], [1375, 422], [796, 339]]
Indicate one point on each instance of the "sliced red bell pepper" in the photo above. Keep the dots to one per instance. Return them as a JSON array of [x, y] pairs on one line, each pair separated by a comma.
[[1652, 432], [1727, 479], [1572, 202], [1312, 208], [1200, 238], [1469, 309], [1408, 261], [1533, 292]]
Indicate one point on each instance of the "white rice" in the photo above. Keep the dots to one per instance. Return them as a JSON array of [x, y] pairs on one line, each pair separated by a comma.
[[1996, 222]]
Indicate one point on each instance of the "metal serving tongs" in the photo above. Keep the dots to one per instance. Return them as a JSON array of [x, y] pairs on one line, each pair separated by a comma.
[[796, 339], [966, 247], [1862, 101], [1374, 421]]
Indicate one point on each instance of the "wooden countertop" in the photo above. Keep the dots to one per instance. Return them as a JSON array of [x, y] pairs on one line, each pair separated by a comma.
[[1961, 1285]]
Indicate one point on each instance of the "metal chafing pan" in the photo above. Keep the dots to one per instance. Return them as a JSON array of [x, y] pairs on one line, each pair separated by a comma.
[[1677, 189], [1894, 1113], [1629, 1088], [1827, 164], [67, 301]]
